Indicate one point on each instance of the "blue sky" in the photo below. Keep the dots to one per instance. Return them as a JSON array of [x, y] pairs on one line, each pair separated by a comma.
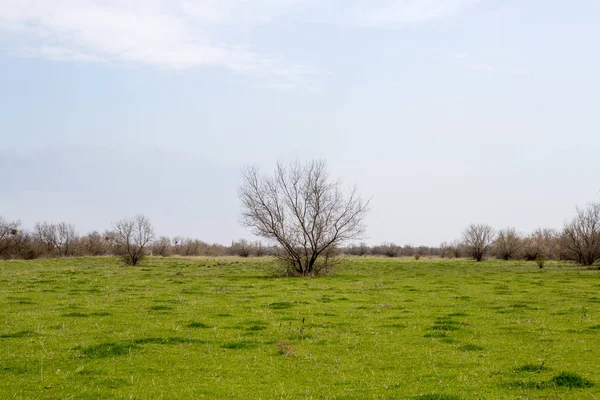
[[445, 112]]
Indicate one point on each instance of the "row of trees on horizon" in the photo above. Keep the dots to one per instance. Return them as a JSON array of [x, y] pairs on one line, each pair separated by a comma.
[[579, 241], [308, 218], [134, 238]]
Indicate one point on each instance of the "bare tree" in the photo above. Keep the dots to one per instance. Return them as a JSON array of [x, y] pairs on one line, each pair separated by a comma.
[[26, 246], [47, 235], [507, 244], [407, 250], [361, 249], [110, 240], [57, 237], [162, 247], [94, 244], [132, 236], [65, 234], [9, 231], [259, 249], [302, 211], [581, 237], [541, 245], [478, 240], [451, 250], [188, 247], [388, 249], [242, 248]]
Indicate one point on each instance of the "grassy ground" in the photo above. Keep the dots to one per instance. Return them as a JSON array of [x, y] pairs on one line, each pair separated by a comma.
[[224, 328]]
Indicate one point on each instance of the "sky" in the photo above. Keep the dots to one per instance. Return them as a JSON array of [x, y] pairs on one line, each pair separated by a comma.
[[443, 112]]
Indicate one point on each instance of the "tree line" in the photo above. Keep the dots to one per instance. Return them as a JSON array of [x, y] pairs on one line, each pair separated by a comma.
[[578, 241], [306, 219], [134, 238], [131, 238]]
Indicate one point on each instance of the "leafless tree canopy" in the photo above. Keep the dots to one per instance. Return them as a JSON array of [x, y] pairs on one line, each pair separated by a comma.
[[8, 234], [162, 247], [361, 249], [65, 235], [581, 236], [241, 248], [389, 249], [302, 211], [541, 245], [132, 236], [507, 244], [56, 237], [46, 234], [478, 240], [451, 250], [93, 244]]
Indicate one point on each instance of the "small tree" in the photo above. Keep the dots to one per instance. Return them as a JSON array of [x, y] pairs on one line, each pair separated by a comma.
[[361, 249], [507, 244], [94, 244], [26, 246], [302, 211], [132, 236], [581, 237], [451, 250], [407, 251], [478, 240], [57, 237], [162, 247], [241, 248], [390, 249], [65, 235], [540, 245], [9, 230], [260, 250], [46, 234]]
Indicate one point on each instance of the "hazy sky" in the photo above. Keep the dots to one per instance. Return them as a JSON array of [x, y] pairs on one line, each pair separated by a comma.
[[446, 112]]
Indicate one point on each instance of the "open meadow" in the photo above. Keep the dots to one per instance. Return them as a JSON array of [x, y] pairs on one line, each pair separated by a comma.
[[379, 328]]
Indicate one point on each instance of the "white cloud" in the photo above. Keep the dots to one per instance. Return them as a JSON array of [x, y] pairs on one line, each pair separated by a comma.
[[182, 34], [162, 33]]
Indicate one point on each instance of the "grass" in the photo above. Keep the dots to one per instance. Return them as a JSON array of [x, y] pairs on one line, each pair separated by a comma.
[[224, 328]]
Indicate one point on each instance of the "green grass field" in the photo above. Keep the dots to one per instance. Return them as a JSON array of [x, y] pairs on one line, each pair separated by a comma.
[[225, 328]]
